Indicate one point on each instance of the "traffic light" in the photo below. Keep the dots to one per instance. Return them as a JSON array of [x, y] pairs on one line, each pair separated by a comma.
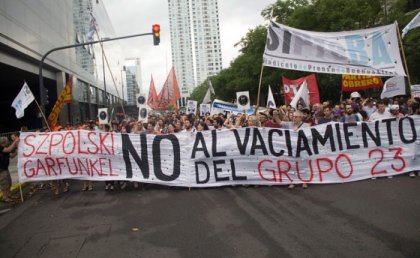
[[156, 34]]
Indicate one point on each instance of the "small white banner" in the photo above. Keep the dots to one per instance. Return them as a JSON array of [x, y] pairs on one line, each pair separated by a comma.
[[393, 87], [242, 100], [204, 109], [327, 153], [103, 116], [192, 107]]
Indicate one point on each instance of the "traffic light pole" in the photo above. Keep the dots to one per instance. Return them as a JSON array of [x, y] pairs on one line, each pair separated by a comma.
[[41, 78]]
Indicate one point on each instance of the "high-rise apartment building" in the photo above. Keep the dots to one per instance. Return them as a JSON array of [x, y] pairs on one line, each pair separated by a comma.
[[208, 55], [195, 40], [133, 79]]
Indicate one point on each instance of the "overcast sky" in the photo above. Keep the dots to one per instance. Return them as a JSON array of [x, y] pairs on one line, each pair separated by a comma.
[[137, 16]]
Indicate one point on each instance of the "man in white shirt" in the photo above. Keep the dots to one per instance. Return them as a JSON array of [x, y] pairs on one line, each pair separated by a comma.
[[380, 112]]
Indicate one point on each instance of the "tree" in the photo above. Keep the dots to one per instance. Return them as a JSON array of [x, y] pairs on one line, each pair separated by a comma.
[[313, 15]]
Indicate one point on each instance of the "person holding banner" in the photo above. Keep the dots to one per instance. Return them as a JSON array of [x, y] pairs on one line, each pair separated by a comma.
[[5, 178], [349, 116], [296, 125]]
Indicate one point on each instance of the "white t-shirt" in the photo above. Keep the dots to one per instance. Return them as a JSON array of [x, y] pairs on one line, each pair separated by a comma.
[[376, 115]]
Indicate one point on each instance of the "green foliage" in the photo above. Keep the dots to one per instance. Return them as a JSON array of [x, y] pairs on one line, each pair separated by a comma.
[[313, 15]]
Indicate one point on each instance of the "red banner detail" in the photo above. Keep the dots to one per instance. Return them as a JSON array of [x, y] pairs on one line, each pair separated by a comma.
[[170, 92], [64, 98], [152, 99], [291, 87]]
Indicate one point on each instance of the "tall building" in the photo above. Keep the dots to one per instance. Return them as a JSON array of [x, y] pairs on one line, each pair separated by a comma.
[[195, 41], [208, 55], [181, 44], [133, 79], [29, 29]]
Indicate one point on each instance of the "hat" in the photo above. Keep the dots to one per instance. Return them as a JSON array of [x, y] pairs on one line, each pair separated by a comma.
[[394, 107], [355, 95]]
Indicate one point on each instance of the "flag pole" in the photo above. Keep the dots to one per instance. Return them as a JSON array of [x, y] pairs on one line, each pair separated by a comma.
[[259, 90], [404, 59], [261, 74], [43, 115], [21, 194]]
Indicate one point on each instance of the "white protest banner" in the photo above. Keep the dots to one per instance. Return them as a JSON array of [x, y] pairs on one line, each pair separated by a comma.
[[220, 106], [327, 153], [372, 51], [393, 87]]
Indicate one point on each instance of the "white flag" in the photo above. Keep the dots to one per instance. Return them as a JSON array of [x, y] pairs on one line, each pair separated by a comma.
[[414, 23], [22, 100], [207, 97], [393, 86], [301, 97], [270, 99]]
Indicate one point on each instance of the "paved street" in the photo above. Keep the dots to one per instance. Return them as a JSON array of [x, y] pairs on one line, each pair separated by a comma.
[[372, 218]]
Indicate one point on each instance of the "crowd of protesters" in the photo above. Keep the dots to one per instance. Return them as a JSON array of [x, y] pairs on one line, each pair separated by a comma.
[[353, 109]]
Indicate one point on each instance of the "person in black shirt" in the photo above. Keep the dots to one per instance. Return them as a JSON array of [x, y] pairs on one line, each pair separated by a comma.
[[5, 179]]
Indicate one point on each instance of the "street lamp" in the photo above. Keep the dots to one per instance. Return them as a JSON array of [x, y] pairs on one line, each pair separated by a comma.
[[122, 84], [103, 69], [41, 78]]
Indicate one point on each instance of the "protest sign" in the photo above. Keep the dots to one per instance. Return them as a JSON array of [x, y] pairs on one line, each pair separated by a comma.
[[328, 153]]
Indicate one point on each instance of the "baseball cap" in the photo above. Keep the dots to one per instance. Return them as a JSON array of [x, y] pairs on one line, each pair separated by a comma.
[[394, 107], [355, 95]]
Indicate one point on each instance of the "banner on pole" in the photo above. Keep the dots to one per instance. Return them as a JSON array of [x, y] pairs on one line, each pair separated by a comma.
[[64, 98], [22, 100], [373, 51], [351, 83], [327, 153], [393, 87]]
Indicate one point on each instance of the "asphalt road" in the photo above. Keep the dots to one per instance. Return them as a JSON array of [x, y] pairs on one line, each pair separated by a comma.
[[371, 218]]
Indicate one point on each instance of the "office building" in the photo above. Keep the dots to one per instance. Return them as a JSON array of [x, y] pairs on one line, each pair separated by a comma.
[[195, 41]]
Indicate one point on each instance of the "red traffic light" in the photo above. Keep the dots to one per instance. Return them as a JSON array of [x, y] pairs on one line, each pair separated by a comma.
[[156, 34], [156, 28]]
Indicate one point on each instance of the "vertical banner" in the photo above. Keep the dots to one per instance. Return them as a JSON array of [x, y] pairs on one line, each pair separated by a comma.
[[351, 83], [242, 100], [204, 109], [143, 113], [192, 107], [103, 116], [291, 87], [140, 100], [65, 97]]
